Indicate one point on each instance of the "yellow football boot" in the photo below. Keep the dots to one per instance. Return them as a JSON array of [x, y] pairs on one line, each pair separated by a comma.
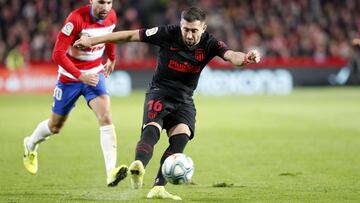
[[117, 174], [30, 158], [159, 192], [137, 171]]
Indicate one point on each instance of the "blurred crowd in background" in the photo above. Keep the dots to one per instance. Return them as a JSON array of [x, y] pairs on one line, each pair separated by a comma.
[[279, 28]]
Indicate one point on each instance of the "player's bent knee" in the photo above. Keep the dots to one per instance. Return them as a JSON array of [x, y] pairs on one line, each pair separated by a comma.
[[56, 123], [55, 129]]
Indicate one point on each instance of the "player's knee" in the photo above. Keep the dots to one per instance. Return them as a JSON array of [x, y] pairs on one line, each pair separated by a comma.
[[55, 129], [180, 129], [55, 126], [187, 133], [105, 119], [157, 125], [151, 130]]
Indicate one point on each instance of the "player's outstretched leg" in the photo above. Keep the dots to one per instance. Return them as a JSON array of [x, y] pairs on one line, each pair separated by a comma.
[[117, 174], [31, 145], [177, 145], [137, 172], [159, 192]]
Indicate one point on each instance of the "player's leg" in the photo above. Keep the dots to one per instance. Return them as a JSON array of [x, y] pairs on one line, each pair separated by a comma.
[[45, 129], [178, 138], [155, 109], [180, 130], [42, 132], [144, 150], [99, 102], [65, 96], [149, 137]]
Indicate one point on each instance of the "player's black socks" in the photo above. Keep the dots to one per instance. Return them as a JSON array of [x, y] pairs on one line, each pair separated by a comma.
[[177, 145], [144, 148]]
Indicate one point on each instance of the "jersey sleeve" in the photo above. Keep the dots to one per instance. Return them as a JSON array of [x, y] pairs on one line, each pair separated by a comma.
[[218, 48], [65, 38], [156, 35], [110, 48]]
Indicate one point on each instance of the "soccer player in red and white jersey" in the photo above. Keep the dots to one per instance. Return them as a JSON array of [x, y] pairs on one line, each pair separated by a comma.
[[81, 72]]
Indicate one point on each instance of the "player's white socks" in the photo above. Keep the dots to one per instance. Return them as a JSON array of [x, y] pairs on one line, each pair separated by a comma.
[[40, 134], [108, 146]]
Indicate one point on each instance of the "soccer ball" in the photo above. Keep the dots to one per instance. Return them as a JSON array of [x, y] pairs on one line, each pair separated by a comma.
[[178, 169]]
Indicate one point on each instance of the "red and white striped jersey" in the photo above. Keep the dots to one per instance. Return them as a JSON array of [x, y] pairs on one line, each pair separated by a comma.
[[73, 61]]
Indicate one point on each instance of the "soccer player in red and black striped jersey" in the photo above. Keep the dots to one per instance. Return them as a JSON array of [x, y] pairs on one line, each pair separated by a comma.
[[81, 72], [184, 52]]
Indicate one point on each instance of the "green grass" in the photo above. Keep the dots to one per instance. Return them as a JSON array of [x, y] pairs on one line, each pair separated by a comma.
[[303, 147]]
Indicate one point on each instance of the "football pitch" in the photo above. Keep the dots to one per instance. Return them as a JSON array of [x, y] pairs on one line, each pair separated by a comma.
[[302, 147]]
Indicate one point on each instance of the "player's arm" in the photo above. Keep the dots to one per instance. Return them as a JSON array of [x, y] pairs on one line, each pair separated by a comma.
[[240, 58], [156, 36], [120, 36], [60, 58], [63, 41], [220, 49]]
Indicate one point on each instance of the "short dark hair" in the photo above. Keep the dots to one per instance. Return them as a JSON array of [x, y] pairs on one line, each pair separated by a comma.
[[193, 13]]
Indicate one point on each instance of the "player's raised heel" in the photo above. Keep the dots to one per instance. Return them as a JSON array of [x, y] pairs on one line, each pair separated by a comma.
[[30, 158], [159, 192], [117, 174], [136, 171]]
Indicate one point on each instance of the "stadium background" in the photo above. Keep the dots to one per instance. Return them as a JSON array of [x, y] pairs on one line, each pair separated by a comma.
[[281, 130], [310, 39]]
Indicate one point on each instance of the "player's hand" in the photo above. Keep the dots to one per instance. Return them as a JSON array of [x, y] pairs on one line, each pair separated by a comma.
[[109, 67], [89, 79], [83, 42], [252, 56]]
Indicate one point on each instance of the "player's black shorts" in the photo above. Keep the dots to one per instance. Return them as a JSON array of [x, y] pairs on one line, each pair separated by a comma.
[[167, 112]]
